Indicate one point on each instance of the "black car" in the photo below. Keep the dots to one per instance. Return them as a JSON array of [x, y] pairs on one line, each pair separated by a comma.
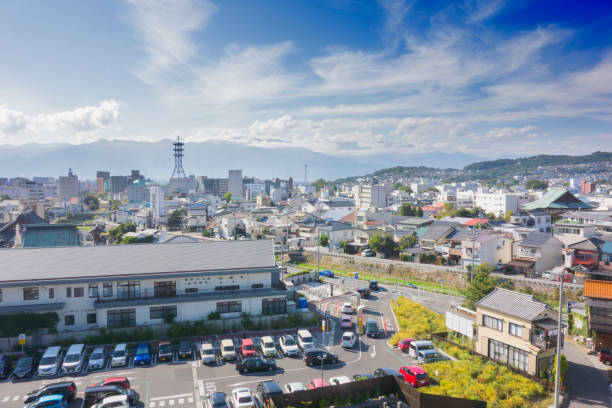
[[266, 389], [364, 293], [184, 349], [314, 357], [255, 364], [94, 395], [25, 367], [68, 389], [372, 328], [361, 377], [374, 285], [5, 366], [216, 400], [382, 372]]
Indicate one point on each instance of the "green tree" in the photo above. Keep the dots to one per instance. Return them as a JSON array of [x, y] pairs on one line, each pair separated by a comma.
[[91, 202], [406, 210], [227, 196], [407, 241], [324, 240], [507, 215], [114, 204], [534, 184], [319, 184], [116, 234], [383, 243], [206, 233], [5, 197], [564, 366], [175, 218], [481, 285], [419, 212]]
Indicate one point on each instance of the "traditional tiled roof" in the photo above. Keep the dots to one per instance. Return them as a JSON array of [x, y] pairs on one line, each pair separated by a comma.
[[436, 232], [557, 199], [536, 239], [598, 289], [513, 303]]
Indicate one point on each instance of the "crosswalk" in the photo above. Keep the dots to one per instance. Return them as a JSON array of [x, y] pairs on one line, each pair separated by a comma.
[[171, 400], [11, 398]]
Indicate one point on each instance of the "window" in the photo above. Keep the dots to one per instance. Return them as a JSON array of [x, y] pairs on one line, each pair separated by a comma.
[[492, 322], [30, 293], [516, 330], [509, 355], [93, 290], [160, 312], [68, 292], [257, 286], [51, 293], [79, 292], [107, 289], [128, 289], [121, 318], [165, 289], [229, 307], [273, 306], [191, 291], [228, 287], [69, 320], [498, 351], [520, 359], [92, 318]]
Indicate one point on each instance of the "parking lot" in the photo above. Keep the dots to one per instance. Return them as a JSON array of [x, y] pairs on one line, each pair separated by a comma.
[[183, 382]]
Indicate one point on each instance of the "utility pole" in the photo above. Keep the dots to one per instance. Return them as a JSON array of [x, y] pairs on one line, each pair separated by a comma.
[[318, 239], [558, 370]]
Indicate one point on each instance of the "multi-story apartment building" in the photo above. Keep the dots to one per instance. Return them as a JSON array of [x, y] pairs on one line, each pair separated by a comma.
[[114, 286], [102, 178], [515, 329], [371, 195], [68, 186], [234, 183], [539, 220], [500, 202]]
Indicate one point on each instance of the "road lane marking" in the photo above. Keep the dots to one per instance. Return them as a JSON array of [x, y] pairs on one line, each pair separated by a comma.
[[162, 403], [373, 354], [190, 400], [6, 399], [181, 401], [16, 397], [170, 397], [171, 402], [151, 404]]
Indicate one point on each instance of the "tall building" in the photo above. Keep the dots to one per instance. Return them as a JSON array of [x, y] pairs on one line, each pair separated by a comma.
[[371, 195], [102, 181], [156, 197], [587, 187], [137, 192], [68, 186], [118, 184], [234, 183]]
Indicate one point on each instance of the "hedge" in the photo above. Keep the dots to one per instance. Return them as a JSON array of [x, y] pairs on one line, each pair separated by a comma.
[[15, 324]]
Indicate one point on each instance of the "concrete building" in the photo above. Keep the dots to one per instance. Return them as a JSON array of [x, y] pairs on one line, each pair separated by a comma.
[[371, 195], [138, 285], [488, 248], [156, 198], [138, 192], [118, 184], [234, 183], [102, 178], [500, 202], [68, 186]]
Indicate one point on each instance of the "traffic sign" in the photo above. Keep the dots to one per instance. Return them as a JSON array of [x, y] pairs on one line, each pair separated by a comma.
[[22, 339], [323, 325]]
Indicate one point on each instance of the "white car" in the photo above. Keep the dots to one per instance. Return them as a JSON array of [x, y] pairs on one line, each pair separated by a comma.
[[288, 345], [343, 379], [347, 308], [208, 353], [268, 348], [97, 359], [293, 387], [349, 339], [346, 322], [242, 397], [116, 401]]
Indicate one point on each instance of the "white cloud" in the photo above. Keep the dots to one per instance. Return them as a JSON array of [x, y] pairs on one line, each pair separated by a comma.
[[84, 119]]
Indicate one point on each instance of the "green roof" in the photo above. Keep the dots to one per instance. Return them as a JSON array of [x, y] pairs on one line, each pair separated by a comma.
[[50, 235], [557, 199], [421, 230]]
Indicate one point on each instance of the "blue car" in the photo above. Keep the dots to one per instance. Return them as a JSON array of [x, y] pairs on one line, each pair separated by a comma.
[[143, 354], [50, 401], [326, 272]]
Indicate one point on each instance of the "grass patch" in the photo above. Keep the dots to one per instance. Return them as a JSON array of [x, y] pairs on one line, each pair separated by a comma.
[[415, 320]]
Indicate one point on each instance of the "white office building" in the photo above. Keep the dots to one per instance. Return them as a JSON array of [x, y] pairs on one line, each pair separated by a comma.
[[234, 183]]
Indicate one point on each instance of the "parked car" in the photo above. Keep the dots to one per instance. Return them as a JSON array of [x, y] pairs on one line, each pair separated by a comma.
[[184, 349], [419, 345], [605, 356], [265, 390], [346, 322], [143, 354], [74, 359], [97, 359], [319, 356], [66, 388], [50, 362], [5, 366], [288, 345], [216, 400], [372, 328], [415, 376], [293, 387], [385, 371], [349, 339], [343, 379], [122, 382], [164, 351], [316, 383], [116, 401], [228, 351], [347, 308], [95, 395], [374, 285], [247, 349], [429, 356], [368, 252], [364, 293], [268, 348], [363, 376], [404, 344], [326, 272], [242, 398], [120, 355], [25, 367], [50, 401], [305, 339], [208, 353], [255, 364]]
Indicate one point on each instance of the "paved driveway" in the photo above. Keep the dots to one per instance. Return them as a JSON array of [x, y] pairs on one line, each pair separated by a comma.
[[588, 385]]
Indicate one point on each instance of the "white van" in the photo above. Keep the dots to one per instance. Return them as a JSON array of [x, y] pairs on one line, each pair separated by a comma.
[[75, 359], [305, 340], [50, 361], [268, 348], [120, 355], [208, 353], [228, 351], [420, 345]]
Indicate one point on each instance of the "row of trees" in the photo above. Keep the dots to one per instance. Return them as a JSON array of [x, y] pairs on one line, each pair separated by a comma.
[[407, 210]]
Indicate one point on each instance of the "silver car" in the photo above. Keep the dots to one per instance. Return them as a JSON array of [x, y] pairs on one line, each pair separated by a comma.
[[97, 359]]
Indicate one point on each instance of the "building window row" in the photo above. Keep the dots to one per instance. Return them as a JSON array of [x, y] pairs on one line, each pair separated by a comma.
[[227, 287], [273, 306], [257, 286], [162, 312], [492, 322], [509, 355], [121, 318], [229, 307]]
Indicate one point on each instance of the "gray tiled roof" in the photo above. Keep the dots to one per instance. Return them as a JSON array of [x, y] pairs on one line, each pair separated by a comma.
[[436, 232], [28, 264], [513, 303], [536, 239]]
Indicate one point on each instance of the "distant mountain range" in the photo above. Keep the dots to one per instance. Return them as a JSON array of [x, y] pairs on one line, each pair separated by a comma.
[[213, 159]]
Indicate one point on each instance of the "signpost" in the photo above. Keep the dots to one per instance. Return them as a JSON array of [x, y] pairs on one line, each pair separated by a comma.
[[22, 340]]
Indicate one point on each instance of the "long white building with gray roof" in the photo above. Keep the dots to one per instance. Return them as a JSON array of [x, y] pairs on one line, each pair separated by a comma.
[[138, 285]]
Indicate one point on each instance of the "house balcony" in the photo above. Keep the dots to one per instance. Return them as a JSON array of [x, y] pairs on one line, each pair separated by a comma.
[[544, 343]]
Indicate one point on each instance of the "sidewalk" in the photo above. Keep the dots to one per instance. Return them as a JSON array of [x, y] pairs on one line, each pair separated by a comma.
[[587, 378]]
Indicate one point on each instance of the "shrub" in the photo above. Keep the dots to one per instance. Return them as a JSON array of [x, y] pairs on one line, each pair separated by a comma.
[[216, 315], [14, 324]]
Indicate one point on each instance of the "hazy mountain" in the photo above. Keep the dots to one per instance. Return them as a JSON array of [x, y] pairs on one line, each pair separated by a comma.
[[212, 159]]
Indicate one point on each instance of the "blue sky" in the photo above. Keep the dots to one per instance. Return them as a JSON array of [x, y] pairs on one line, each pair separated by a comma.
[[345, 77]]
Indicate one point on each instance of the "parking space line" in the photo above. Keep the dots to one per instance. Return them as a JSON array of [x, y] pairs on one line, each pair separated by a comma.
[[162, 403], [190, 400], [181, 401], [171, 402], [170, 397], [16, 397], [6, 399]]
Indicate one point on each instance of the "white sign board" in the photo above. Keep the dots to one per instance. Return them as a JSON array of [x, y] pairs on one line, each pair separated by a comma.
[[460, 324]]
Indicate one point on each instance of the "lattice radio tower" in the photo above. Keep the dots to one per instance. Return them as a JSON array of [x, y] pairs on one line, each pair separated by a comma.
[[178, 171]]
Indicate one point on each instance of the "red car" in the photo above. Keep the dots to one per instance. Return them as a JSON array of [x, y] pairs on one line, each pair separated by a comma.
[[415, 376], [122, 382], [316, 383], [248, 348], [404, 344], [605, 356]]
